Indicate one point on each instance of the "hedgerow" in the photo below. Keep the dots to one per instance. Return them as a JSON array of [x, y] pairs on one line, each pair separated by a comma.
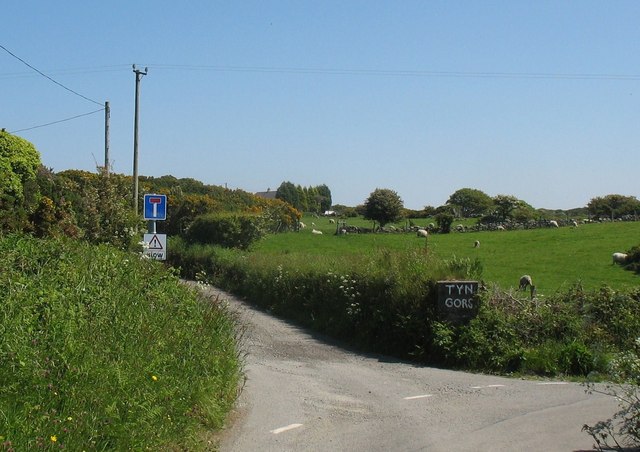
[[386, 302]]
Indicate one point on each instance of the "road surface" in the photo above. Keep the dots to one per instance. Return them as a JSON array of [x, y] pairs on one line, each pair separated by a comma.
[[305, 393]]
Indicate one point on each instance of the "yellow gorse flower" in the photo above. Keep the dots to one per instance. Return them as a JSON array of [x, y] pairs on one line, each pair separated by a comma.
[[54, 438], [154, 378]]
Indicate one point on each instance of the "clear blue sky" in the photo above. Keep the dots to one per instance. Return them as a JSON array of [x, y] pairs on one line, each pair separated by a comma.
[[536, 99]]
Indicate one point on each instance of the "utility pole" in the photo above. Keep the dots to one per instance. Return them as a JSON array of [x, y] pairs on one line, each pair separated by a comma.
[[107, 116], [139, 75]]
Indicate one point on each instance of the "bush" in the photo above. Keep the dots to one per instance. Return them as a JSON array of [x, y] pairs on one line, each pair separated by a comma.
[[633, 259], [230, 230], [622, 430]]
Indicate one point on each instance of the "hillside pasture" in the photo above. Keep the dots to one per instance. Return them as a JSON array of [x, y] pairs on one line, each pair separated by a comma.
[[556, 258]]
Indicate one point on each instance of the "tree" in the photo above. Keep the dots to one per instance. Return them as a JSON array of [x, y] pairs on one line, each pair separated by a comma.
[[470, 202], [19, 163], [384, 206], [613, 206], [324, 195], [505, 204], [289, 193], [444, 220]]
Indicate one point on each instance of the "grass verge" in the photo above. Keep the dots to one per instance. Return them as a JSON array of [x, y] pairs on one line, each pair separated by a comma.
[[101, 350]]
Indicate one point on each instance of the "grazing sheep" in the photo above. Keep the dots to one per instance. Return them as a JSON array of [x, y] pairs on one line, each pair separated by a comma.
[[332, 221], [302, 225], [525, 280], [500, 227], [422, 233], [460, 228], [619, 258], [553, 224], [315, 231], [476, 244], [574, 223]]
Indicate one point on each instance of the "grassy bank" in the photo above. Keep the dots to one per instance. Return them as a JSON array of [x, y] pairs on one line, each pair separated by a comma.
[[101, 350]]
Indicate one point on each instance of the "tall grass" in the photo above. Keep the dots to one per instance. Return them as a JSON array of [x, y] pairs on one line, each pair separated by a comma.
[[101, 350]]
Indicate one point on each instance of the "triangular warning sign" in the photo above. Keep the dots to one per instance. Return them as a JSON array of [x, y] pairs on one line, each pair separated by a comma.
[[155, 244]]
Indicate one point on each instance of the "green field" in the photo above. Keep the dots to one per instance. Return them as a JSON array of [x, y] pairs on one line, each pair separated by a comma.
[[555, 258]]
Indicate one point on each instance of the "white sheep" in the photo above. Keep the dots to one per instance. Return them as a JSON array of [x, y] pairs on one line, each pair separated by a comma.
[[422, 233], [476, 244], [553, 224], [619, 258], [315, 231], [332, 221], [302, 225], [525, 280], [574, 223], [500, 227]]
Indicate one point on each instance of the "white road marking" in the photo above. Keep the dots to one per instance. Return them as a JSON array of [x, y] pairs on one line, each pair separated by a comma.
[[424, 396], [549, 383], [487, 386], [284, 429]]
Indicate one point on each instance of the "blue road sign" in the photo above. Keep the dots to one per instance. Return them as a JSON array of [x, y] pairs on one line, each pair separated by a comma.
[[155, 207]]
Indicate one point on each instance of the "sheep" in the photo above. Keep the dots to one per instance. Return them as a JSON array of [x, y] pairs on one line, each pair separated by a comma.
[[574, 223], [332, 221], [553, 223], [619, 258], [525, 280], [500, 227], [476, 244], [315, 231], [422, 233], [302, 225]]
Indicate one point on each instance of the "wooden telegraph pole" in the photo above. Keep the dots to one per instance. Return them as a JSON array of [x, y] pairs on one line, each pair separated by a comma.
[[139, 75], [107, 116]]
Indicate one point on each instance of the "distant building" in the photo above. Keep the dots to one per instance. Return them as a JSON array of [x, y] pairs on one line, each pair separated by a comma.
[[266, 194]]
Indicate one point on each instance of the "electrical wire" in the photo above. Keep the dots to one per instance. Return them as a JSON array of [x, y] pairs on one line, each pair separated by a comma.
[[59, 121], [398, 73], [46, 76]]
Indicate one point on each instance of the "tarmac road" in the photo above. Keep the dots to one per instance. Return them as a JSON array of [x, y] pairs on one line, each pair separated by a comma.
[[304, 393]]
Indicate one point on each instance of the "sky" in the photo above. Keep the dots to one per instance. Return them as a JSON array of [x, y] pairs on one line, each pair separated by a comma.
[[535, 99]]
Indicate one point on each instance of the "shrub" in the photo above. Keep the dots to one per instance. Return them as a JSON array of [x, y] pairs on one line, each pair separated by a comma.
[[622, 430], [633, 259], [231, 230]]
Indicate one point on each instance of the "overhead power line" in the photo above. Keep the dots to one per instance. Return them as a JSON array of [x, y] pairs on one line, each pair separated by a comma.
[[47, 77], [69, 71], [56, 122], [398, 73]]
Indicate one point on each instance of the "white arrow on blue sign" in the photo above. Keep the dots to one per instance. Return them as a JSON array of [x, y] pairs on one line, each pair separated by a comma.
[[155, 207]]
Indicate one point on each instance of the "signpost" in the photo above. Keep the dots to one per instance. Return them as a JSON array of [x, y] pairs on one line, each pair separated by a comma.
[[457, 300], [155, 209], [156, 246]]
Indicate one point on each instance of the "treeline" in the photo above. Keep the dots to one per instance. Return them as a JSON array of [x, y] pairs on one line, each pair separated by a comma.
[[306, 199]]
